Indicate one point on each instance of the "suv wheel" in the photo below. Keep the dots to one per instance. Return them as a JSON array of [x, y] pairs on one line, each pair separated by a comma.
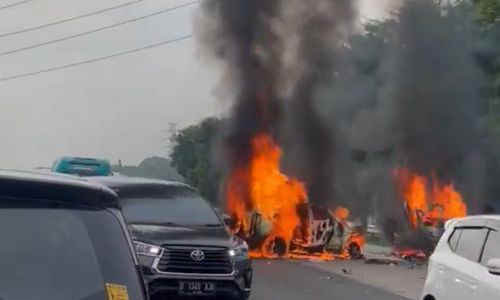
[[240, 296], [244, 296], [279, 247]]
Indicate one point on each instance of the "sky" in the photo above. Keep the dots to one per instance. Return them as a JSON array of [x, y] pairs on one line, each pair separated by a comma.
[[119, 108]]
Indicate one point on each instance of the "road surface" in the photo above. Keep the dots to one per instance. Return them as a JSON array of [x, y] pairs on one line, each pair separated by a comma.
[[289, 280]]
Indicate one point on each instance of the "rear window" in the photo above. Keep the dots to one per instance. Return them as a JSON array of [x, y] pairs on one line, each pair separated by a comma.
[[470, 243], [492, 247], [51, 251], [173, 206]]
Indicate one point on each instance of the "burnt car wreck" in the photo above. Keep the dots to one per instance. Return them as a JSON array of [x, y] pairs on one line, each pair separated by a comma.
[[320, 233]]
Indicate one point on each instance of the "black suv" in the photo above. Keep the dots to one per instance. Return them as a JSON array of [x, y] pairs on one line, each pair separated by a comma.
[[64, 239], [183, 245]]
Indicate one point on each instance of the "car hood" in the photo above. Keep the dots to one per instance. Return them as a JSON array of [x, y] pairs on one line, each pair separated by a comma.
[[182, 235]]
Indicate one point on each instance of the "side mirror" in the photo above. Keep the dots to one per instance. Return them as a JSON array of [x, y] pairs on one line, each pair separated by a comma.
[[493, 266]]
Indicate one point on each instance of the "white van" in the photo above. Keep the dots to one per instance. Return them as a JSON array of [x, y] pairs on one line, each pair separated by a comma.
[[466, 262]]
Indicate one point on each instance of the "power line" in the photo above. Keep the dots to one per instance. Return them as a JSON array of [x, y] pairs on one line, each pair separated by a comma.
[[69, 37], [15, 4], [97, 59], [70, 19]]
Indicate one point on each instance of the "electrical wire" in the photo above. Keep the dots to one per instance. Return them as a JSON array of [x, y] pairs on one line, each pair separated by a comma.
[[15, 4], [96, 59], [97, 29], [93, 13]]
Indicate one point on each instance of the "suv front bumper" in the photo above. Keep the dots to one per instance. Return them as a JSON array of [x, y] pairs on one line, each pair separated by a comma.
[[237, 284]]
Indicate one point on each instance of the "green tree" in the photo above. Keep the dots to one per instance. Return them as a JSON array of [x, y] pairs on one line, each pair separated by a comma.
[[488, 10], [191, 154]]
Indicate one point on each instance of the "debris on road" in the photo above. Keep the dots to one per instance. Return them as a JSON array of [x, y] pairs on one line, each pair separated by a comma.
[[389, 273], [345, 271]]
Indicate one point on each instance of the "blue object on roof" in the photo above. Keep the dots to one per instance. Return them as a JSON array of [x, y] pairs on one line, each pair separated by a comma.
[[82, 166]]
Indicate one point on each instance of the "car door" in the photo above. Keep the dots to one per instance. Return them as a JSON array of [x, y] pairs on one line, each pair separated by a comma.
[[321, 225], [466, 278], [444, 269], [490, 283]]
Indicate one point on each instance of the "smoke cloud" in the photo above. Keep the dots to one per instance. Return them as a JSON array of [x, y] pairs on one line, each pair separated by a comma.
[[241, 35], [321, 27], [273, 55], [349, 108], [408, 94], [436, 85]]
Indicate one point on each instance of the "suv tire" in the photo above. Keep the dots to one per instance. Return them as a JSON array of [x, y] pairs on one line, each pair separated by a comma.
[[244, 296]]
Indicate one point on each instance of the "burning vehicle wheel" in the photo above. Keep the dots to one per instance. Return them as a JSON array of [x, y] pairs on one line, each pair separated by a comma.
[[280, 247], [355, 251]]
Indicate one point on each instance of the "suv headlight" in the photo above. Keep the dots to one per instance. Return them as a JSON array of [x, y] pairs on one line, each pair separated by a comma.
[[148, 249], [239, 252]]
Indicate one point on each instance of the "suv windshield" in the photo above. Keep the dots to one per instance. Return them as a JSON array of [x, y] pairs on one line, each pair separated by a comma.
[[174, 206], [58, 252]]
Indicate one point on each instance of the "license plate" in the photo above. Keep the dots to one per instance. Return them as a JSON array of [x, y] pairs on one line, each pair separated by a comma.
[[196, 288]]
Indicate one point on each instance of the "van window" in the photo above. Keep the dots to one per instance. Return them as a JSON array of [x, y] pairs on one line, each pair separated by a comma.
[[471, 243], [455, 236], [492, 247]]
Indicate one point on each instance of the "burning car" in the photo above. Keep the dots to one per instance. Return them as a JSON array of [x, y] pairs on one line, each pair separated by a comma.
[[315, 231], [428, 203], [273, 213], [348, 240], [320, 232]]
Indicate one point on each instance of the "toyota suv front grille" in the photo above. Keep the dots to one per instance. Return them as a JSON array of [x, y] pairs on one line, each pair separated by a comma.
[[195, 260]]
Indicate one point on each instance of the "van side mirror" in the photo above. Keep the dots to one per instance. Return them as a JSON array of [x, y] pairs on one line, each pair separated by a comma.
[[493, 266]]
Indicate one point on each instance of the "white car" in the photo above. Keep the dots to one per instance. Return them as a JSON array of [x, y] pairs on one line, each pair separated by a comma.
[[466, 262]]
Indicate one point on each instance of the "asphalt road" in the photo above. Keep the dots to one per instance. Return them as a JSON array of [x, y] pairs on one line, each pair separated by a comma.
[[289, 280]]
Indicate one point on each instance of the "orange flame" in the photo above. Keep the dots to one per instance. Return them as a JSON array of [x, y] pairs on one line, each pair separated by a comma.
[[271, 193], [359, 239], [428, 201], [258, 193], [341, 213]]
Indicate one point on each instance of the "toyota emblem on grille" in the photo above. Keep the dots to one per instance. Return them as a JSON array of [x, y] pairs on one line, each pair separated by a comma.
[[197, 255]]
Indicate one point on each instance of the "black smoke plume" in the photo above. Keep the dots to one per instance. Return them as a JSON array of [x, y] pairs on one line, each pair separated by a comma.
[[274, 55], [241, 35], [436, 89], [349, 109], [408, 94], [321, 28]]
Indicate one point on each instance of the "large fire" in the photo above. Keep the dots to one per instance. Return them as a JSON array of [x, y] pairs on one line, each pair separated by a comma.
[[429, 202], [274, 215], [272, 194]]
